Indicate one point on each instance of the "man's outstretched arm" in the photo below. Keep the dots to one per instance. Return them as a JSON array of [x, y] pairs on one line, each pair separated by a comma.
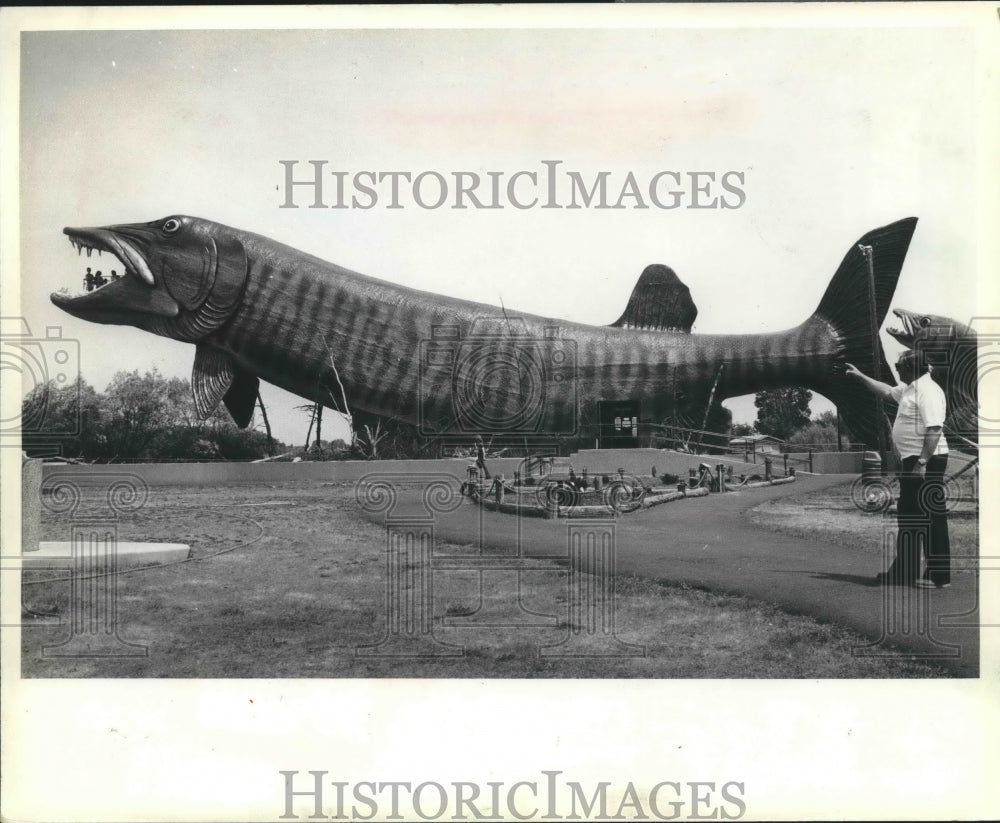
[[880, 389]]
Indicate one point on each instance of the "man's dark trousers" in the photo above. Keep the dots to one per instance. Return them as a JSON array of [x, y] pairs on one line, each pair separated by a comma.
[[922, 524]]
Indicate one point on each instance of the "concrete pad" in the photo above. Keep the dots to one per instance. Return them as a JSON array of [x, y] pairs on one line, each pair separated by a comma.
[[59, 554]]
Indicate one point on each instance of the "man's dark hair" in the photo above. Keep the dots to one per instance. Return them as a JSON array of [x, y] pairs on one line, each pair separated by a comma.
[[918, 360]]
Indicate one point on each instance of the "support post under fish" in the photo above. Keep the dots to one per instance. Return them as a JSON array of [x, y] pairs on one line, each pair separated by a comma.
[[869, 254]]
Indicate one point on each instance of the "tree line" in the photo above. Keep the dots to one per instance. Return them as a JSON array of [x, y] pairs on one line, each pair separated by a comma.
[[138, 417], [785, 414], [152, 417]]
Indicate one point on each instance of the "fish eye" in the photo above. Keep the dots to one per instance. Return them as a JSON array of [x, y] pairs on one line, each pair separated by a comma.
[[925, 322], [171, 226]]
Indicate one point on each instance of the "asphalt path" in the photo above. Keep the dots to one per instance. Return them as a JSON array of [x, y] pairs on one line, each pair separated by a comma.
[[710, 543]]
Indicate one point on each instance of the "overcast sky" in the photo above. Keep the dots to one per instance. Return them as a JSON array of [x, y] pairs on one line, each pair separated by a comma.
[[835, 131]]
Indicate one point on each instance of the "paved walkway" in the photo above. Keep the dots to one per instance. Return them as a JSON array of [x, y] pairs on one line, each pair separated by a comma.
[[709, 543]]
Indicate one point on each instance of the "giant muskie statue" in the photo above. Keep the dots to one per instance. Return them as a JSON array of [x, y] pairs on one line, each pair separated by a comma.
[[259, 310]]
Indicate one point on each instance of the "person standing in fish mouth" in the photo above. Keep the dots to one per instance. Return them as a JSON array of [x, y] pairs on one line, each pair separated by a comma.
[[917, 434]]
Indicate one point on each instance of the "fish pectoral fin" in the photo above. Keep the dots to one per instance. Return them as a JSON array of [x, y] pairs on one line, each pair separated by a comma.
[[216, 377], [660, 302], [213, 374], [242, 397]]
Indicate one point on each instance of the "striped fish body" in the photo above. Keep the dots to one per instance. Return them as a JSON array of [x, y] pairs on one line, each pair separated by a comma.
[[257, 309]]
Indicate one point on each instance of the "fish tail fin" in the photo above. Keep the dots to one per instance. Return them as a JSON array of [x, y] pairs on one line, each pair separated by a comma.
[[848, 309]]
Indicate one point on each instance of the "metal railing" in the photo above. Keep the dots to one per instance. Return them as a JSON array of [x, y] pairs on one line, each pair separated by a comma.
[[681, 438]]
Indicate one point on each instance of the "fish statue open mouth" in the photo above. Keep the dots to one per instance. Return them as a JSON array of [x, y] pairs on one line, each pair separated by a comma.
[[951, 349], [259, 310]]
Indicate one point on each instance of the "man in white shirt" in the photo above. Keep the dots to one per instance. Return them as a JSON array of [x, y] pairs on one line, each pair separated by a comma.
[[918, 437]]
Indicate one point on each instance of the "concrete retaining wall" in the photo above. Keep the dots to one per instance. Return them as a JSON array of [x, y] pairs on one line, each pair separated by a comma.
[[640, 462], [213, 474], [828, 462], [31, 504]]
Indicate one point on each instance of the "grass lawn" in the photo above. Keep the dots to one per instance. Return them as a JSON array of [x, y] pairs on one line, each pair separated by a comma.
[[288, 580], [827, 514]]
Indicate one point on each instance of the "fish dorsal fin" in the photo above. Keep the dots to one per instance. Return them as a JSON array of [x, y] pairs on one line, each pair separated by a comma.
[[216, 377], [659, 302]]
